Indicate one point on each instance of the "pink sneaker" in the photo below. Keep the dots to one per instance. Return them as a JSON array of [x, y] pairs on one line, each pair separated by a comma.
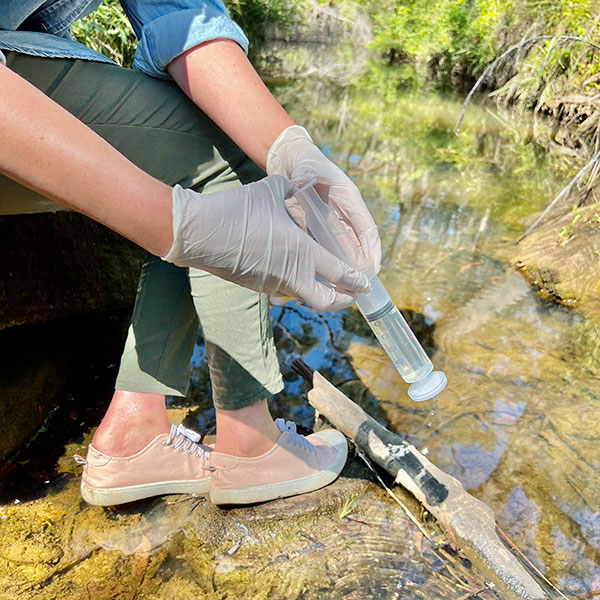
[[295, 465], [171, 463]]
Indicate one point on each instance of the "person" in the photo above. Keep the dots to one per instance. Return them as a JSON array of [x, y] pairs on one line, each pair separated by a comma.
[[171, 154]]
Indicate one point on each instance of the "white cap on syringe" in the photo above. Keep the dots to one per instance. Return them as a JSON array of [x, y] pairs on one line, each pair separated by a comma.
[[428, 387]]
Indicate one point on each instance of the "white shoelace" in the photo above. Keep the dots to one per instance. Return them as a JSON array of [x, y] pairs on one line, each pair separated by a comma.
[[294, 437], [187, 442]]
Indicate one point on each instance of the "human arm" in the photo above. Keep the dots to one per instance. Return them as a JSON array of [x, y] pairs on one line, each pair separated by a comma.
[[203, 50], [47, 149], [50, 151], [221, 81], [218, 77]]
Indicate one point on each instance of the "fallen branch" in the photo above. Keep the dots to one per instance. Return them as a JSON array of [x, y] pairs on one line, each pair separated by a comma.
[[470, 521]]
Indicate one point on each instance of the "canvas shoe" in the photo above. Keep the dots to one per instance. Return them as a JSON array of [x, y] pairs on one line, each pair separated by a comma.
[[173, 463], [295, 465]]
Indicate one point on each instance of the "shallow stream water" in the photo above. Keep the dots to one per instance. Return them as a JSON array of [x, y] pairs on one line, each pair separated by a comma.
[[518, 424]]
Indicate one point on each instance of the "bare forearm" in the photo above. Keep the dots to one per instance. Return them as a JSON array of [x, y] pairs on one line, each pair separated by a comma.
[[218, 77], [50, 151]]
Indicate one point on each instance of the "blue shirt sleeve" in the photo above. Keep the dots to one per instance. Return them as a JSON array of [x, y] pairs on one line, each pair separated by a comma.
[[167, 29]]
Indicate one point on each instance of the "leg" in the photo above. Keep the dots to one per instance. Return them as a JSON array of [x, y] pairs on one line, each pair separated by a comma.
[[242, 360], [158, 128], [254, 459], [131, 422], [139, 115], [248, 431], [155, 361]]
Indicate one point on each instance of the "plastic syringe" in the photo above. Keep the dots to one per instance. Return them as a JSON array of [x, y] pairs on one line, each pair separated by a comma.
[[377, 307]]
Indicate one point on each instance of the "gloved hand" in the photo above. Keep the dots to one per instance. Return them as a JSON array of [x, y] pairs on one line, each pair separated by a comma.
[[294, 155], [245, 235]]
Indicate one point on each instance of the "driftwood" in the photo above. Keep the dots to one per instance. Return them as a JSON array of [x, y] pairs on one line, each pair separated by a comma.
[[470, 521]]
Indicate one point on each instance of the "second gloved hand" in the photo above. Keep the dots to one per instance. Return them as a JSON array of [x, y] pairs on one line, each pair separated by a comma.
[[245, 235], [294, 155]]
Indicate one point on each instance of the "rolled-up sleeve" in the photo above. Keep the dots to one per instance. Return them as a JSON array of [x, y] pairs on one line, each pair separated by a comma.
[[168, 29], [2, 58]]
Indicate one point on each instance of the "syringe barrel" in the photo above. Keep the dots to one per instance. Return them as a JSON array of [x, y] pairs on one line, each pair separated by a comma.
[[393, 333], [377, 306]]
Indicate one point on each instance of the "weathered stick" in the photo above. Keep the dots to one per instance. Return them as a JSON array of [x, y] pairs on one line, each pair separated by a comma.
[[470, 521]]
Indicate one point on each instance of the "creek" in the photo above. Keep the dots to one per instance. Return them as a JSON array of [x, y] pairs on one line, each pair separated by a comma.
[[518, 424]]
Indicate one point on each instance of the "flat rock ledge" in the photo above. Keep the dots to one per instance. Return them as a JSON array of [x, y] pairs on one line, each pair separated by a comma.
[[561, 259], [178, 546]]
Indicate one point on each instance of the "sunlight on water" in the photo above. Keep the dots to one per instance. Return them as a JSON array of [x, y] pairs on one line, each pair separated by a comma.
[[518, 423]]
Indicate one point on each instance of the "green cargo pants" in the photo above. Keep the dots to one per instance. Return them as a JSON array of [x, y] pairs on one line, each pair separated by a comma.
[[159, 129]]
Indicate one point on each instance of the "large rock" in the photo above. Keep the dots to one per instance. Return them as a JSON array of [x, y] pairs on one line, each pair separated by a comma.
[[562, 260], [67, 285], [45, 363], [58, 265]]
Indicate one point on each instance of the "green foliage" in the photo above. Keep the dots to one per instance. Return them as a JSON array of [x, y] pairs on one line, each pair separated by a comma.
[[258, 17], [108, 31], [418, 44], [438, 38], [567, 233], [449, 43], [347, 508]]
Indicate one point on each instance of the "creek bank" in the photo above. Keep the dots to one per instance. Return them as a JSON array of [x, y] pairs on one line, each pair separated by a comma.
[[561, 259]]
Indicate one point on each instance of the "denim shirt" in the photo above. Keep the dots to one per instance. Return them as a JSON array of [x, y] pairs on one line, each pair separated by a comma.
[[165, 29]]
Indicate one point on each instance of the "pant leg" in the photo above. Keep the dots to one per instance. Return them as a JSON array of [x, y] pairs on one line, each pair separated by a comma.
[[242, 358], [159, 129], [163, 330]]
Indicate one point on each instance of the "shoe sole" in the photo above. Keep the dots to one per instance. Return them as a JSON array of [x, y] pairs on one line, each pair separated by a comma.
[[121, 495], [283, 489]]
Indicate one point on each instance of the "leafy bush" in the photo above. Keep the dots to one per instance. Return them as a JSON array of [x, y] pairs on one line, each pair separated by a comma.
[[109, 32], [451, 41]]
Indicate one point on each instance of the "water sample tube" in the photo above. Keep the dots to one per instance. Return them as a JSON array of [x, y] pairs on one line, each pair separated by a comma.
[[378, 308]]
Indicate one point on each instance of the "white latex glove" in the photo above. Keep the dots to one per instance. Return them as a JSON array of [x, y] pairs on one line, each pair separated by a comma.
[[294, 155], [245, 235]]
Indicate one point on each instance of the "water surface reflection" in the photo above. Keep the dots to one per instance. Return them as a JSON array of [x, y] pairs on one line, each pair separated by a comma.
[[519, 422]]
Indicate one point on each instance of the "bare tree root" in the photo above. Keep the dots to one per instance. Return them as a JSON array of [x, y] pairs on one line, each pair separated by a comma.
[[521, 47]]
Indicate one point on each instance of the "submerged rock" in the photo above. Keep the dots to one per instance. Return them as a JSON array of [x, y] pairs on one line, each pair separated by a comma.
[[347, 540]]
